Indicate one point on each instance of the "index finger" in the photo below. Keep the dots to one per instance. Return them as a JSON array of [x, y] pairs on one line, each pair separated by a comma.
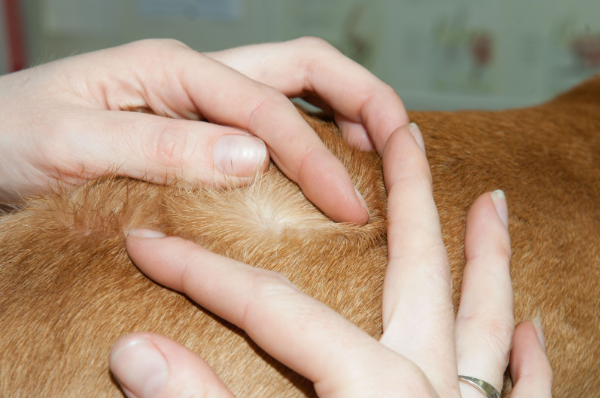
[[311, 65], [296, 329]]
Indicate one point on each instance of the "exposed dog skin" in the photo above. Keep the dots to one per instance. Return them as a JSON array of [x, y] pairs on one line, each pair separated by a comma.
[[69, 290]]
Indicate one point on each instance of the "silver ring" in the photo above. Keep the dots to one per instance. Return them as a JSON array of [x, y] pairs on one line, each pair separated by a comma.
[[483, 387]]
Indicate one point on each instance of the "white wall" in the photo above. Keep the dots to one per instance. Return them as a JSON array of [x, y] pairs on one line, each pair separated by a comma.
[[438, 54]]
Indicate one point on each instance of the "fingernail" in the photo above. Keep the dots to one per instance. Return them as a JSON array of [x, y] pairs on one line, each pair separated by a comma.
[[362, 201], [239, 155], [416, 133], [146, 233], [140, 368], [537, 324], [501, 207], [366, 144]]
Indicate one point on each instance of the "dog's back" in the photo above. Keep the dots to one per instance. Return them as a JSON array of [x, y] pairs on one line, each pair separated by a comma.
[[69, 290]]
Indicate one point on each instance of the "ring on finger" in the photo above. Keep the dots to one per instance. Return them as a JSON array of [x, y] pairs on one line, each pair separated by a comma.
[[483, 387]]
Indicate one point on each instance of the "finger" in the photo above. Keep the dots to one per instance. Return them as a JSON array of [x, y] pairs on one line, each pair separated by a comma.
[[294, 328], [319, 103], [314, 66], [529, 366], [417, 309], [485, 322], [159, 149], [198, 83], [354, 133], [148, 365]]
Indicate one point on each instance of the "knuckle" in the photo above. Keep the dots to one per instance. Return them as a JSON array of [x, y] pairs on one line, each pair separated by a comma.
[[170, 145], [416, 178], [501, 258], [267, 287], [388, 90], [314, 43], [498, 335], [157, 48], [421, 386], [437, 268], [153, 44], [171, 43], [503, 252], [270, 283], [270, 101], [498, 256]]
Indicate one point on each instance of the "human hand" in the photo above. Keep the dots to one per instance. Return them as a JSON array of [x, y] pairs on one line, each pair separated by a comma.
[[57, 119], [423, 348], [365, 109]]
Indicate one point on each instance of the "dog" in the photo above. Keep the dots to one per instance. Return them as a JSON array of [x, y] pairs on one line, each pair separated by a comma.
[[69, 290]]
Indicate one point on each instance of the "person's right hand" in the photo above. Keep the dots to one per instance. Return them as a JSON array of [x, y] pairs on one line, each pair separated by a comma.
[[61, 119], [365, 109], [423, 348]]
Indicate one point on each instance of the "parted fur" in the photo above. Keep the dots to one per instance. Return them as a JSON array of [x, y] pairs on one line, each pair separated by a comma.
[[69, 290]]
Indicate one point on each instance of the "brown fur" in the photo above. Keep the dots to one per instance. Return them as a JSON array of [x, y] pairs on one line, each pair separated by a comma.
[[69, 290]]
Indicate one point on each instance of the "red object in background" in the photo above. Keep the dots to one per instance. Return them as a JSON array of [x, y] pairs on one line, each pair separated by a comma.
[[587, 51], [481, 48], [15, 35]]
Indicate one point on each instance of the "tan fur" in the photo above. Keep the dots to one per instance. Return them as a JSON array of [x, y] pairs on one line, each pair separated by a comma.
[[69, 290]]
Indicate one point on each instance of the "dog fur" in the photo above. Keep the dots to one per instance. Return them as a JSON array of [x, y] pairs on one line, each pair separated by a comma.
[[68, 289]]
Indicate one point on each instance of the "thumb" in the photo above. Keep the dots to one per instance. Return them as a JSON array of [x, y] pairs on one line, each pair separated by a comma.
[[159, 149], [148, 365]]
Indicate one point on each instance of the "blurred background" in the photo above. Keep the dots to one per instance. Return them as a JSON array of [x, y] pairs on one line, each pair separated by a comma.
[[438, 54]]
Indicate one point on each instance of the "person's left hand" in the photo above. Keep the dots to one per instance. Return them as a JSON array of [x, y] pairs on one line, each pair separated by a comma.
[[423, 348]]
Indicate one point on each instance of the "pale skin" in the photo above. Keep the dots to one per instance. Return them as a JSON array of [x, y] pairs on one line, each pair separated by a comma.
[[423, 348], [230, 114], [59, 119]]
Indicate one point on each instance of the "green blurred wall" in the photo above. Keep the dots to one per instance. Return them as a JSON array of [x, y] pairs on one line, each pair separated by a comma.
[[438, 54]]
